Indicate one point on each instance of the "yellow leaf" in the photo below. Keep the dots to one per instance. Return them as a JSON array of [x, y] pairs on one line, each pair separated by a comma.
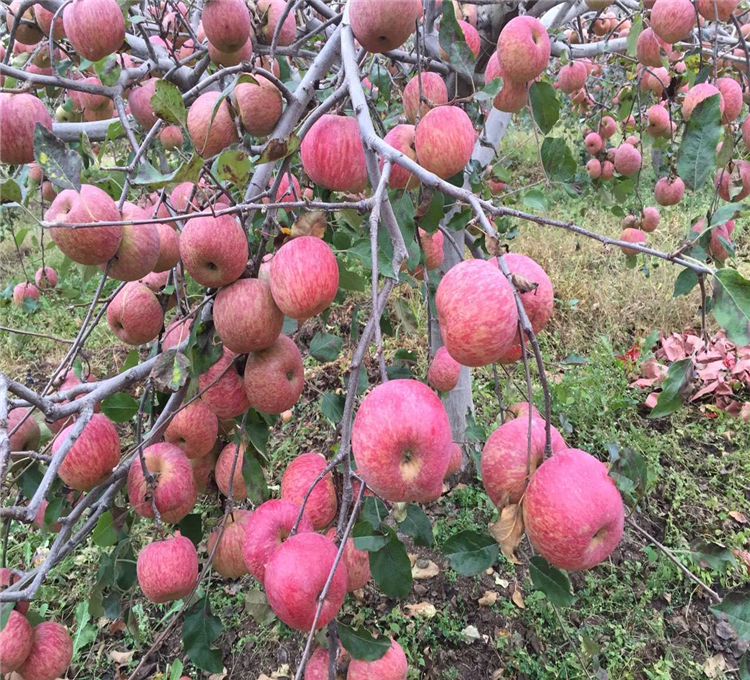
[[508, 531], [423, 610]]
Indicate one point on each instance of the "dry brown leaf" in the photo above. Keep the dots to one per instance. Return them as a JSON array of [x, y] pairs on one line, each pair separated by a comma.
[[424, 569], [219, 676], [310, 224], [117, 626], [488, 599], [517, 598], [471, 634], [121, 658], [498, 674], [508, 531], [740, 517], [492, 245], [424, 610], [714, 666]]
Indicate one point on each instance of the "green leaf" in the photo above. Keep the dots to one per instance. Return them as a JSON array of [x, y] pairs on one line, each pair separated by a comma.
[[368, 538], [373, 511], [149, 176], [199, 631], [471, 552], [10, 191], [171, 371], [417, 525], [686, 280], [325, 347], [85, 631], [489, 91], [709, 555], [29, 481], [744, 667], [544, 105], [191, 526], [671, 396], [204, 347], [635, 31], [535, 199], [167, 103], [257, 432], [131, 360], [348, 280], [175, 670], [277, 149], [5, 609], [119, 407], [732, 305], [736, 607], [451, 39], [630, 472], [405, 315], [697, 158], [431, 219], [104, 534], [108, 70], [255, 481], [391, 569], [332, 406], [361, 645], [52, 512], [557, 159], [726, 213], [60, 164], [550, 580], [233, 166]]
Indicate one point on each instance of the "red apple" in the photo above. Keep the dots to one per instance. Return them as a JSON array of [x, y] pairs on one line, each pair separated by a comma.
[[357, 563], [658, 121], [505, 456], [15, 642], [444, 141], [94, 455], [44, 19], [232, 58], [433, 88], [175, 491], [138, 252], [432, 245], [20, 113], [717, 10], [226, 397], [594, 168], [627, 160], [228, 560], [697, 94], [140, 103], [523, 48], [632, 235], [457, 459], [649, 219], [176, 333], [169, 248], [210, 133], [194, 429], [51, 652], [383, 25], [274, 377], [669, 191], [297, 479], [650, 48], [572, 77], [168, 570], [267, 528], [246, 316], [24, 290], [27, 33], [720, 236], [27, 436], [513, 94], [135, 315], [95, 28], [672, 20], [171, 137], [304, 277], [573, 511], [443, 372], [46, 278], [7, 578], [392, 666], [202, 469], [223, 472], [270, 12], [214, 250], [259, 106], [593, 143], [401, 441], [401, 138], [87, 245], [333, 156], [731, 94], [293, 592], [477, 313], [607, 127], [226, 23]]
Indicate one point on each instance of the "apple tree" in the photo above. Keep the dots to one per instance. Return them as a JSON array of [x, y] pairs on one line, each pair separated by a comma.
[[228, 170]]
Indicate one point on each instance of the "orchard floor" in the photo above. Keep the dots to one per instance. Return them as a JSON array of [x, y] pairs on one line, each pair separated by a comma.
[[636, 616]]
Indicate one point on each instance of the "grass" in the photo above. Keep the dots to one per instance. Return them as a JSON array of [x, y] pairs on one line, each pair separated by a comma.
[[635, 617]]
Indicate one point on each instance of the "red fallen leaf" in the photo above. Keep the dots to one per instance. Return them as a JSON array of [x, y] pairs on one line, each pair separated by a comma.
[[733, 408], [692, 343], [744, 558], [741, 366], [745, 412], [642, 383], [631, 356], [711, 372], [706, 389], [711, 414], [651, 399], [653, 369], [674, 348]]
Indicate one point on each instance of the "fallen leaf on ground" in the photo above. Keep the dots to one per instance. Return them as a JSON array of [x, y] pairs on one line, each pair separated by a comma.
[[488, 599], [121, 658], [424, 569], [714, 666], [424, 610], [471, 634], [518, 599], [738, 516]]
